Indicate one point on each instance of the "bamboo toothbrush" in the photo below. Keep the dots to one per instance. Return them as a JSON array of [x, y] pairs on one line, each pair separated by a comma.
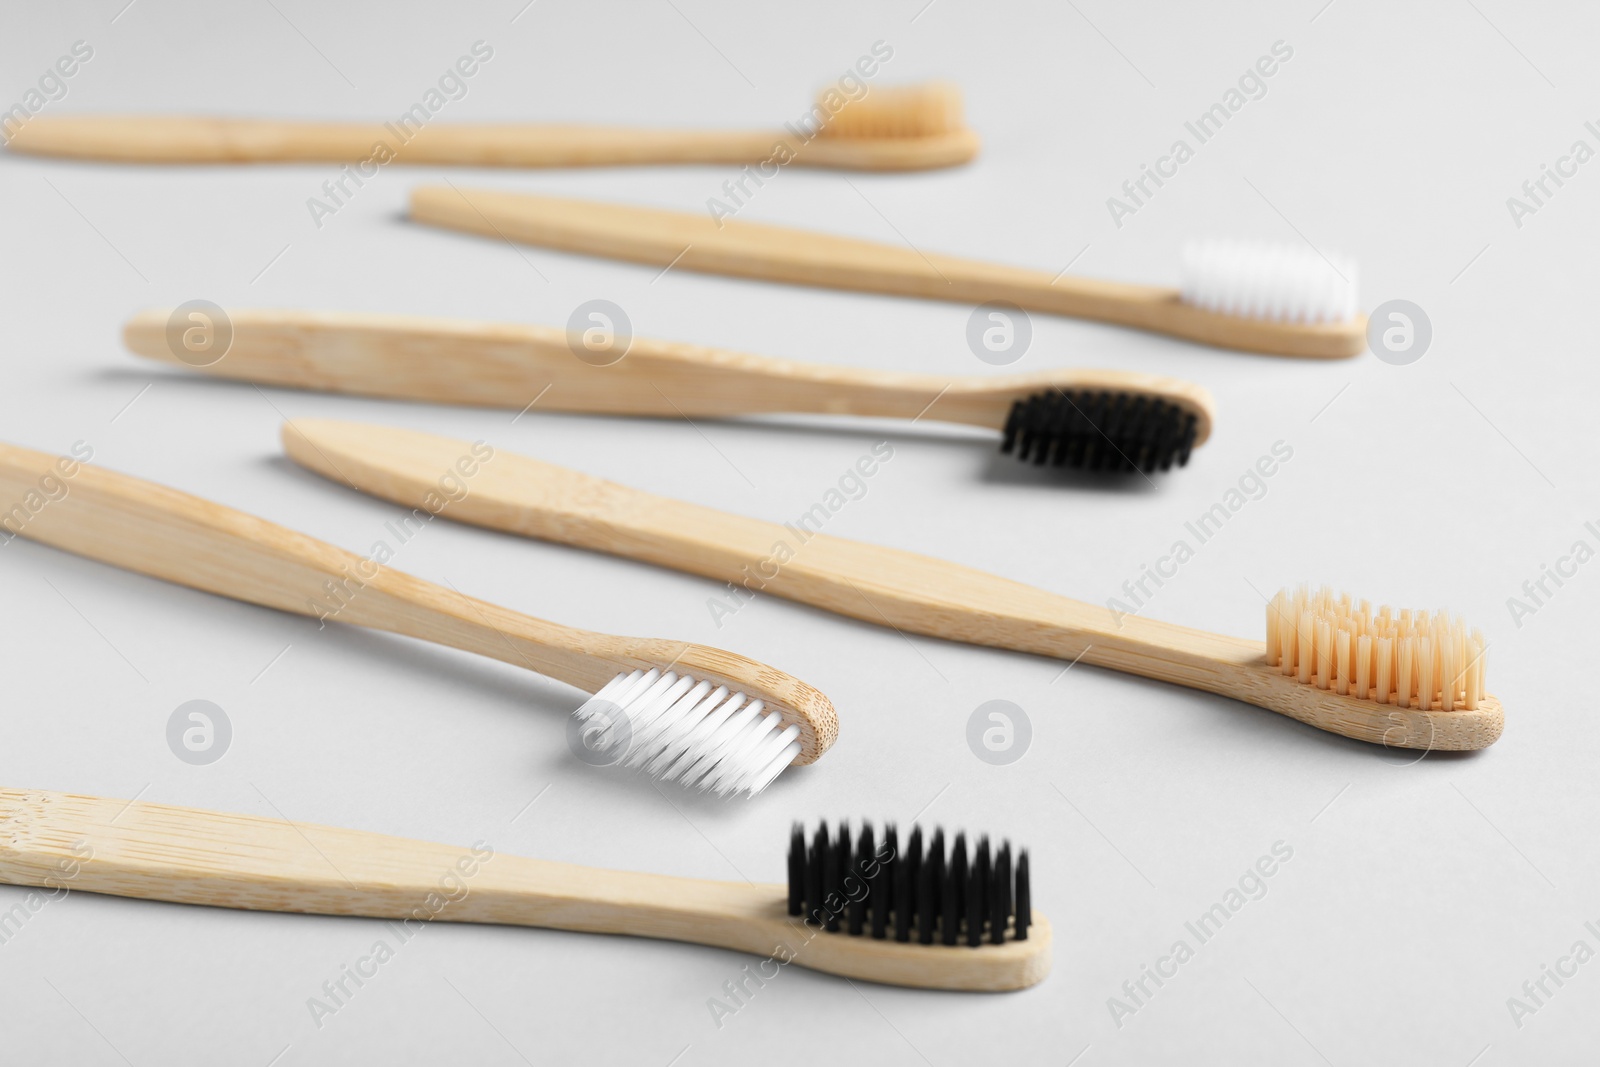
[[1255, 298], [1093, 419], [911, 127], [921, 917], [1411, 680], [682, 711]]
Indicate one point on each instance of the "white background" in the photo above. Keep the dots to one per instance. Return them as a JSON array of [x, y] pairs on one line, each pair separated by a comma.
[[1420, 895]]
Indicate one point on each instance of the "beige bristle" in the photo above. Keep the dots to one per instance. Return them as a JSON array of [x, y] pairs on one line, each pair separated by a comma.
[[931, 109], [1322, 648], [1415, 659], [1425, 673], [1405, 675], [1449, 678], [1304, 630], [1342, 647], [1364, 667]]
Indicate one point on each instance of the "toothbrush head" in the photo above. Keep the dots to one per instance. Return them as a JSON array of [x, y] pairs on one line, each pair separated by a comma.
[[913, 914], [1101, 430], [920, 892], [1274, 283], [1430, 662], [704, 732], [931, 109]]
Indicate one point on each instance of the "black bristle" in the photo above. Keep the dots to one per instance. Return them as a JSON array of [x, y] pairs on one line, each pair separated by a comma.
[[849, 883], [832, 876], [819, 858], [904, 872], [905, 914], [1024, 898], [883, 892], [812, 906], [985, 890], [855, 885], [866, 869], [845, 854], [974, 906], [955, 888], [797, 869], [931, 881], [1000, 902], [1099, 431]]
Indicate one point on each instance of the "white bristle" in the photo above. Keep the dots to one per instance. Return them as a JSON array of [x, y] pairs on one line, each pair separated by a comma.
[[1277, 283], [682, 730]]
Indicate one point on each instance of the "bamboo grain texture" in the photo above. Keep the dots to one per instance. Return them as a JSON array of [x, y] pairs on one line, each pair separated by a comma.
[[196, 139], [910, 592], [512, 365], [699, 242], [191, 856], [158, 531]]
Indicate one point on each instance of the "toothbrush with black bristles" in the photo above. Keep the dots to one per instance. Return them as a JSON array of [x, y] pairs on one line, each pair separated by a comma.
[[903, 918], [1094, 420]]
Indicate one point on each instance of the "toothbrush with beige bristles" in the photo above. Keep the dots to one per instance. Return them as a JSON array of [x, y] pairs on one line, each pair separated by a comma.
[[683, 712], [1098, 420], [911, 127], [1257, 298], [1405, 680]]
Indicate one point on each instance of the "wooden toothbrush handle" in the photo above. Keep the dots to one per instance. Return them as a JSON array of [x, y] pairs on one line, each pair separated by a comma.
[[511, 365], [151, 529], [63, 842], [747, 249], [368, 146], [193, 856], [884, 586]]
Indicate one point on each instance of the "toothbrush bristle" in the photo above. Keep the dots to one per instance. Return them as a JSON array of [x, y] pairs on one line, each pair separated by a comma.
[[1099, 431], [1277, 283], [927, 894], [928, 110], [1409, 658], [688, 731]]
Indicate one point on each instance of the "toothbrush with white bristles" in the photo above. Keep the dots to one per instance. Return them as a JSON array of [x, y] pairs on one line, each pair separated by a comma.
[[704, 717], [1256, 298]]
